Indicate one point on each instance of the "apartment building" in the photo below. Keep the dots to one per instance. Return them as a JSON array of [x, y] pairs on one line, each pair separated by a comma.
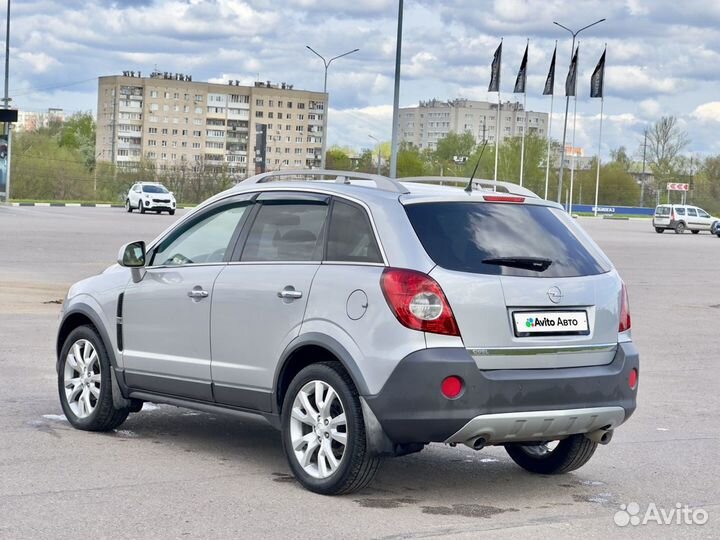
[[432, 120], [29, 121], [173, 121]]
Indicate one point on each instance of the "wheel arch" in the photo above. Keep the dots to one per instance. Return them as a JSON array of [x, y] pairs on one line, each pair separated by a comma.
[[309, 349], [79, 315]]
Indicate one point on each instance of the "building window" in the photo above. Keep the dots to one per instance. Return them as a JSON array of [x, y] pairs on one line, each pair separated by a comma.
[[198, 98], [272, 115], [152, 130], [300, 105], [258, 114], [259, 102]]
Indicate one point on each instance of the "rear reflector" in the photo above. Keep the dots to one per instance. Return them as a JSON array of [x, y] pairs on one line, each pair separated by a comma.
[[452, 387], [633, 379], [504, 198]]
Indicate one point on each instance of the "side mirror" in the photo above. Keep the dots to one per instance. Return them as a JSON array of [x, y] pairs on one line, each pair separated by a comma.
[[132, 255]]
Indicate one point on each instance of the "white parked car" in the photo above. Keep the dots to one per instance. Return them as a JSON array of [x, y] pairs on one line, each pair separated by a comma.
[[682, 217], [146, 196]]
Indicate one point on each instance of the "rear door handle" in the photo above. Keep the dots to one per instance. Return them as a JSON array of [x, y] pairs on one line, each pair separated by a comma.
[[197, 293], [289, 292]]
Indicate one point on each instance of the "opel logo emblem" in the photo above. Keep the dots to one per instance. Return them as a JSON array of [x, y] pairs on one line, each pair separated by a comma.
[[555, 295]]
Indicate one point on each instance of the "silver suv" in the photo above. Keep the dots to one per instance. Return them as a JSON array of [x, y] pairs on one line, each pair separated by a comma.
[[364, 317]]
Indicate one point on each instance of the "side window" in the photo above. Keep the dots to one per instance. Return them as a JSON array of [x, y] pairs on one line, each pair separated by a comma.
[[680, 211], [691, 212], [350, 236], [286, 230], [702, 213], [203, 241], [137, 188]]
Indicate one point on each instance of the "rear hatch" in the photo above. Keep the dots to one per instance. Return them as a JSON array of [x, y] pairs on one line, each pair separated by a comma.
[[662, 215], [528, 287]]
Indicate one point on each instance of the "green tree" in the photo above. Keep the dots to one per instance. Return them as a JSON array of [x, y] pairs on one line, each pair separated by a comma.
[[338, 159], [410, 161], [367, 162], [78, 133], [617, 187], [454, 144]]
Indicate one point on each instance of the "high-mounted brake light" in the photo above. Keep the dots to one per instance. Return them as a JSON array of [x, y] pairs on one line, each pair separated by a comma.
[[625, 321], [418, 302], [504, 198]]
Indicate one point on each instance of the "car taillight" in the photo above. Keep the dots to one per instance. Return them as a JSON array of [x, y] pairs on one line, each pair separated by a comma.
[[673, 216], [418, 302], [625, 321]]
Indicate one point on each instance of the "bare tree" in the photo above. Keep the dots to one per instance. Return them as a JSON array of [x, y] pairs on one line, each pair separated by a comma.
[[665, 142]]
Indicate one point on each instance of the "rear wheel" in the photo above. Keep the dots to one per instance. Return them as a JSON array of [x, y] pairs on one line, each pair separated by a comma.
[[323, 431], [128, 206], [85, 384], [659, 230], [680, 228], [553, 457]]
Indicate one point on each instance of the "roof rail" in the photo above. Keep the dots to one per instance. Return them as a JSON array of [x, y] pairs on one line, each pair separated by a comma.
[[508, 187], [341, 177]]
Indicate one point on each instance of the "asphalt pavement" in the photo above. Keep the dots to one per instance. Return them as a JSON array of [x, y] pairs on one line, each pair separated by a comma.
[[175, 473]]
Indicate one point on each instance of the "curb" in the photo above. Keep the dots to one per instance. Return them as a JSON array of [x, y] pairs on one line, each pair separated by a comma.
[[80, 205]]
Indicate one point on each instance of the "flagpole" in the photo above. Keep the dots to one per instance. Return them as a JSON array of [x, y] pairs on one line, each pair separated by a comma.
[[522, 144], [597, 173], [547, 163], [497, 136]]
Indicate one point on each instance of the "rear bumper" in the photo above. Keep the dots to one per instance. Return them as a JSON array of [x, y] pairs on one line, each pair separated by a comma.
[[517, 404]]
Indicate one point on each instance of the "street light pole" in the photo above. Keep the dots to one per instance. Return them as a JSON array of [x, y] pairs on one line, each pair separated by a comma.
[[396, 96], [378, 143], [7, 102], [567, 102], [326, 63]]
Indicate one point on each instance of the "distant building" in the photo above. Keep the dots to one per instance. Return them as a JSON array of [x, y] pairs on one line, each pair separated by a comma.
[[576, 153], [432, 120], [173, 121], [29, 121]]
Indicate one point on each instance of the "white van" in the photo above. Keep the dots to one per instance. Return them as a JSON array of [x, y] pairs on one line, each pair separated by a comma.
[[682, 217]]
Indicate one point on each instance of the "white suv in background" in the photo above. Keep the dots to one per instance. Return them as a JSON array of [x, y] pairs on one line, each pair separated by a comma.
[[145, 196], [681, 217]]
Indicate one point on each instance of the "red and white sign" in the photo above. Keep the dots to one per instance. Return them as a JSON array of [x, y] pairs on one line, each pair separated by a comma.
[[678, 187]]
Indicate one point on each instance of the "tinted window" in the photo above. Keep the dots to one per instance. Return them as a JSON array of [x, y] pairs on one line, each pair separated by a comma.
[[691, 212], [154, 189], [702, 213], [662, 211], [350, 237], [467, 236], [204, 241], [286, 231], [680, 211]]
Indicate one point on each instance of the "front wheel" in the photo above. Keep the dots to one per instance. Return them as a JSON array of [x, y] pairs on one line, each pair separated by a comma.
[[323, 431], [85, 384], [171, 212], [553, 457], [680, 228], [142, 207], [659, 230]]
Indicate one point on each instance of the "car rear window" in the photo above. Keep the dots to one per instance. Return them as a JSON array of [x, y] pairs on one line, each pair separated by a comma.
[[662, 211], [476, 236]]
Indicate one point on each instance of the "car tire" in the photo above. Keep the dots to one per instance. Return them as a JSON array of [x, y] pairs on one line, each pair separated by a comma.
[[141, 206], [569, 454], [680, 228], [659, 230], [308, 432], [695, 231], [171, 212], [128, 206], [714, 229], [85, 383]]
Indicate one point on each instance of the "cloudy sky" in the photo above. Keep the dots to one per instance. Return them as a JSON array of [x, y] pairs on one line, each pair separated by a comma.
[[663, 55]]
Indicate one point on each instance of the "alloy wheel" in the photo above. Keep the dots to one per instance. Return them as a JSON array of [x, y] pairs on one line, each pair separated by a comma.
[[318, 429], [82, 378]]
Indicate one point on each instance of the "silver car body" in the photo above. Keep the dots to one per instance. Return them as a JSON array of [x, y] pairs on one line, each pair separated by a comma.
[[227, 348]]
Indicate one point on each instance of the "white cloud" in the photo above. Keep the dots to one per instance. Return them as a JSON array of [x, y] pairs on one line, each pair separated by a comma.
[[707, 112], [39, 62]]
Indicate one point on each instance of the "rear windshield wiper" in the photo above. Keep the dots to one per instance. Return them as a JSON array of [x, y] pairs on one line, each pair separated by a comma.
[[527, 263]]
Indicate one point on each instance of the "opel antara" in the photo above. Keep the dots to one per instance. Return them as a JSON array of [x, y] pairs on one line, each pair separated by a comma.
[[363, 317]]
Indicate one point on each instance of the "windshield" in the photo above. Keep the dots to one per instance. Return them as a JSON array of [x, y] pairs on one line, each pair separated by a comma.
[[154, 189], [505, 239]]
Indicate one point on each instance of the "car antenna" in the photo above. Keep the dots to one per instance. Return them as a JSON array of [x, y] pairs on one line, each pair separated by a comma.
[[468, 188]]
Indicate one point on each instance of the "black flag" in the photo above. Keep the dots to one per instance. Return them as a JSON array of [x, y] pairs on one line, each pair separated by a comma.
[[550, 81], [522, 75], [495, 70], [571, 81], [597, 81]]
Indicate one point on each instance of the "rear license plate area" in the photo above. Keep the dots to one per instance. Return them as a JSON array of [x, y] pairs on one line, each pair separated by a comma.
[[550, 323]]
